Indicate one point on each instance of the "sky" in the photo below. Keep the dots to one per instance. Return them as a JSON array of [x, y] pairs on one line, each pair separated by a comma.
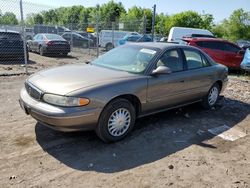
[[220, 9]]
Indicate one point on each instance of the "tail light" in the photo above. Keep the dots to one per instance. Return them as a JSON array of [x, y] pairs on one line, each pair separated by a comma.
[[49, 43]]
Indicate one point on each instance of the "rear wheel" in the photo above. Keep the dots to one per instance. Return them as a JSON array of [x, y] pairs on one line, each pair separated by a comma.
[[212, 97], [109, 46], [116, 120]]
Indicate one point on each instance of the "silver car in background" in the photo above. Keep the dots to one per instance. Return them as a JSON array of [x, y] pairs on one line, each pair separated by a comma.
[[126, 83]]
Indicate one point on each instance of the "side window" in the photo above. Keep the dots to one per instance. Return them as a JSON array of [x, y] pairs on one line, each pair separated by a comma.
[[132, 38], [231, 48], [35, 37], [205, 61], [193, 59], [171, 59], [40, 37], [67, 36], [214, 45]]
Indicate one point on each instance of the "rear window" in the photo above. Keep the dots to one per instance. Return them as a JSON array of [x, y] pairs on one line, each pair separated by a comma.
[[10, 36], [53, 37]]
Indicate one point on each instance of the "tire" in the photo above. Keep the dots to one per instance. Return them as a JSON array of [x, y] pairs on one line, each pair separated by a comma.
[[212, 97], [109, 46], [41, 52], [119, 112]]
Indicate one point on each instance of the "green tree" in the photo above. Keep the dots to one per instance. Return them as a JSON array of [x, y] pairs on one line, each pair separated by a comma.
[[236, 27], [111, 11], [184, 19], [8, 18], [207, 21]]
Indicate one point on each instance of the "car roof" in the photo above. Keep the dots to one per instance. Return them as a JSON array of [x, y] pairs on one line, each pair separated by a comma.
[[205, 39], [8, 31], [160, 45]]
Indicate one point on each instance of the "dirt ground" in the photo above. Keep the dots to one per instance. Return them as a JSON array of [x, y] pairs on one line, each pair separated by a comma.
[[170, 149]]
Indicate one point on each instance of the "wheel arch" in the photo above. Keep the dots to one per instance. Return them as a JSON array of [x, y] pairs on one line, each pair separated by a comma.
[[133, 99], [220, 83]]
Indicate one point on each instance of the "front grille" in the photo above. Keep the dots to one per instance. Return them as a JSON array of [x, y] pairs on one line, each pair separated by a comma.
[[33, 91]]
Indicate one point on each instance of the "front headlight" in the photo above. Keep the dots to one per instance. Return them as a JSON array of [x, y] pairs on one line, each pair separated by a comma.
[[65, 101]]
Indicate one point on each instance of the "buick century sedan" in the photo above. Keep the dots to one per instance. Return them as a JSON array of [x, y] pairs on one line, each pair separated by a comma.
[[128, 82]]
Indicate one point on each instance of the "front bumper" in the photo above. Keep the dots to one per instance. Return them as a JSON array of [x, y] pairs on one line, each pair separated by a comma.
[[65, 119]]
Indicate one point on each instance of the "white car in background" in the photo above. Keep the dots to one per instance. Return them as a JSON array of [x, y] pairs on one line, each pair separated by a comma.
[[177, 33]]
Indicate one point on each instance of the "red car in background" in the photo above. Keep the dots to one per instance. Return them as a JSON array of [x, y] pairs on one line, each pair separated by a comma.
[[221, 51]]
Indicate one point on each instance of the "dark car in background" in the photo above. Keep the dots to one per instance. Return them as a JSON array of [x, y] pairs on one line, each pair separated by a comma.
[[76, 40], [89, 36], [220, 50], [48, 44], [11, 46]]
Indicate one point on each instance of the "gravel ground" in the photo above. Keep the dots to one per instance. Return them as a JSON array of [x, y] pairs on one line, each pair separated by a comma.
[[170, 149]]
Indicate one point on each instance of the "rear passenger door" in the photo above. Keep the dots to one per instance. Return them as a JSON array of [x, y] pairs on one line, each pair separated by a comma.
[[215, 49], [199, 74]]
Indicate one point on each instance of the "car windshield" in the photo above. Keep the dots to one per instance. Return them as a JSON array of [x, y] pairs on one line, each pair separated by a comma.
[[133, 59], [53, 37]]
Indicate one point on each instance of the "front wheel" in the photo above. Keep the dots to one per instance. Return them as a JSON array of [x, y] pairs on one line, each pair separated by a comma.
[[212, 97], [41, 51], [116, 120]]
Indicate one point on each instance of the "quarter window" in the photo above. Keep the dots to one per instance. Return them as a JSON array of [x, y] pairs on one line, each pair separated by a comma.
[[171, 60], [194, 59], [231, 48]]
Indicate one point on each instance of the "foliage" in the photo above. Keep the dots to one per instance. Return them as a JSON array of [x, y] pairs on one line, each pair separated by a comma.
[[139, 19], [236, 27], [8, 18]]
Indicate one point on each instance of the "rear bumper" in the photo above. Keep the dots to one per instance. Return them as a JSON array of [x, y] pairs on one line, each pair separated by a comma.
[[56, 50], [60, 118]]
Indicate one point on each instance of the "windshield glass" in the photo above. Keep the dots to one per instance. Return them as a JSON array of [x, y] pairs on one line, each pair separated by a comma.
[[132, 59], [53, 37]]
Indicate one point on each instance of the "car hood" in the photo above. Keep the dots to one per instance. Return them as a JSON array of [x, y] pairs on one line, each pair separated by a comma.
[[69, 78]]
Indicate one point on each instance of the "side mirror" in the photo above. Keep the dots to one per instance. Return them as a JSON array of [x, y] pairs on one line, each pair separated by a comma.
[[161, 70], [241, 52]]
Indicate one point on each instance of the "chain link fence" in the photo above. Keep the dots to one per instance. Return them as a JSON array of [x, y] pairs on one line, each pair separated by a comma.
[[26, 46]]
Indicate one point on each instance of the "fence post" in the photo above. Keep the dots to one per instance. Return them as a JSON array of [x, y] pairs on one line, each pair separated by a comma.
[[153, 22], [113, 34], [144, 24], [97, 31], [24, 38]]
